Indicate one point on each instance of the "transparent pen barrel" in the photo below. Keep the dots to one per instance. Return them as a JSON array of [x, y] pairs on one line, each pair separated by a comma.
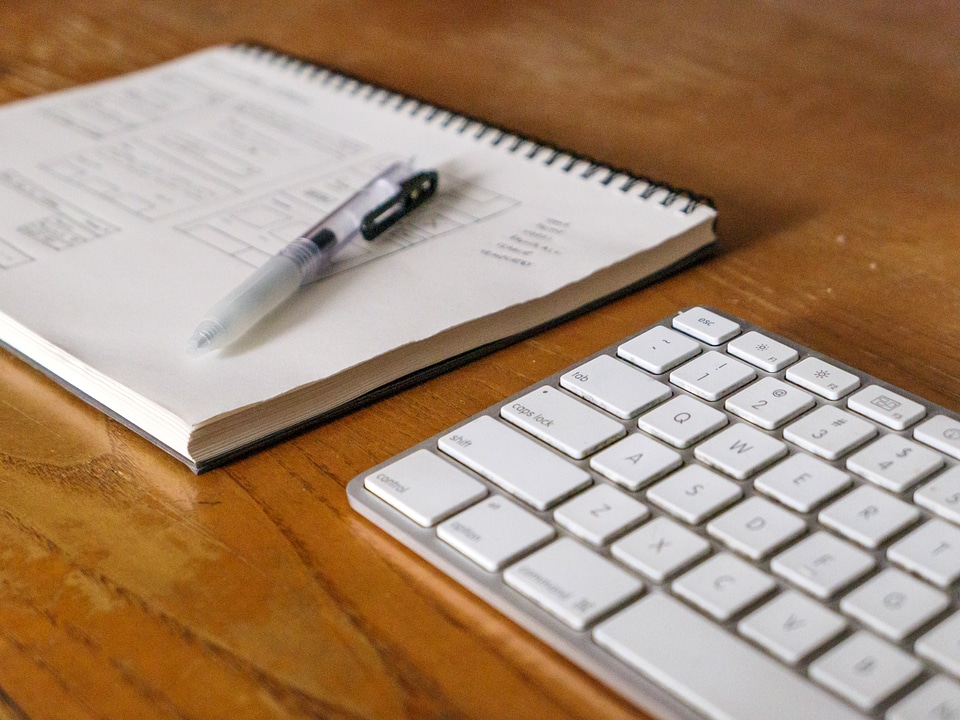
[[307, 257], [262, 292]]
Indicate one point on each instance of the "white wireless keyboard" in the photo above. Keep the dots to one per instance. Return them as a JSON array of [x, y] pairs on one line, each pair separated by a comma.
[[713, 520]]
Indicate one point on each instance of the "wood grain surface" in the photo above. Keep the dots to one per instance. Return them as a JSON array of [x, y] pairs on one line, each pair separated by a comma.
[[828, 135]]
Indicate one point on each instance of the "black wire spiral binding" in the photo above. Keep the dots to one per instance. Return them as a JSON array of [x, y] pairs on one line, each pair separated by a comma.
[[401, 101]]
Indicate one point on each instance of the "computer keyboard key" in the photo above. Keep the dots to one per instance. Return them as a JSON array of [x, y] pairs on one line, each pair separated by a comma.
[[942, 644], [940, 432], [723, 678], [424, 487], [723, 586], [822, 378], [766, 353], [792, 626], [495, 532], [865, 670], [894, 462], [740, 451], [869, 516], [769, 403], [756, 527], [932, 551], [682, 421], [894, 604], [693, 494], [615, 386], [660, 548], [942, 495], [829, 432], [936, 699], [561, 421], [572, 583], [822, 565], [635, 461], [658, 349], [600, 513], [886, 407], [712, 375], [514, 462], [802, 482], [706, 325]]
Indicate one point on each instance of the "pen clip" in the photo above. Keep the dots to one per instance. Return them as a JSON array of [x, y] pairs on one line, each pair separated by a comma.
[[414, 191]]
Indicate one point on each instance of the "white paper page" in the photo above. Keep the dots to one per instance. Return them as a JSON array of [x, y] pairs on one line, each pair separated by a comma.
[[132, 206]]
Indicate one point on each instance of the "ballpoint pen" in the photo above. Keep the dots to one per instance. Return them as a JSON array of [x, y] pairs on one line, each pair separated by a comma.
[[373, 209]]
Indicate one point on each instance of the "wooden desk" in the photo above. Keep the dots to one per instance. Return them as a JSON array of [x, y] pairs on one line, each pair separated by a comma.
[[829, 137]]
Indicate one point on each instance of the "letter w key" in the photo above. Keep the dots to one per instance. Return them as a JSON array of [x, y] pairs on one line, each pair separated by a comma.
[[740, 451]]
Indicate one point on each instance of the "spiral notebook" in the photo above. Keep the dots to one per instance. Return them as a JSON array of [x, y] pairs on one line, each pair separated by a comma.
[[131, 205]]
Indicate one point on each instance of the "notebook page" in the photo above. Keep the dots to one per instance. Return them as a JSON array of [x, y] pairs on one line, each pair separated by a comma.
[[133, 205]]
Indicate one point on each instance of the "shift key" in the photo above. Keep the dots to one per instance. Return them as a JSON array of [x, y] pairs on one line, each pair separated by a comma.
[[514, 461], [562, 422]]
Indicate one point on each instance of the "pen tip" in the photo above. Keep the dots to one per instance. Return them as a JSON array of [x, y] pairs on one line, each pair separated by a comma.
[[198, 344], [204, 339]]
